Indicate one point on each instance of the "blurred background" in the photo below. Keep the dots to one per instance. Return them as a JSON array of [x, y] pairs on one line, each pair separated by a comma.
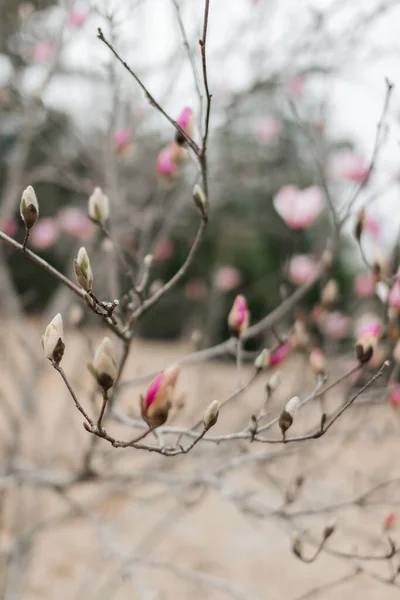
[[298, 94]]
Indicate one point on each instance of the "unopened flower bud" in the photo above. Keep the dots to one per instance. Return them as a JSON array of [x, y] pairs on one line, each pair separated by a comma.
[[98, 206], [297, 545], [83, 270], [29, 207], [273, 382], [329, 529], [330, 293], [53, 340], [238, 319], [185, 120], [360, 224], [211, 414], [104, 366], [148, 260], [200, 200], [365, 347], [317, 362], [287, 415], [262, 360], [156, 404]]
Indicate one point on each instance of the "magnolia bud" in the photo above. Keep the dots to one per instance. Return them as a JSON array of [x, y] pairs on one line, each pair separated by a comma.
[[262, 360], [53, 340], [104, 366], [83, 270], [330, 293], [200, 200], [211, 414], [329, 529], [317, 362], [365, 347], [273, 382], [148, 260], [98, 206], [287, 415], [238, 318], [29, 207], [360, 224], [156, 404], [185, 120]]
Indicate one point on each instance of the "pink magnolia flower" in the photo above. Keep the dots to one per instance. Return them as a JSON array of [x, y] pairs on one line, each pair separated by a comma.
[[269, 130], [45, 233], [185, 120], [389, 520], [155, 405], [394, 398], [295, 86], [299, 208], [280, 354], [168, 162], [77, 18], [336, 325], [163, 250], [394, 296], [9, 226], [302, 269], [75, 222], [227, 278], [238, 318], [43, 52], [364, 285], [122, 140], [349, 166]]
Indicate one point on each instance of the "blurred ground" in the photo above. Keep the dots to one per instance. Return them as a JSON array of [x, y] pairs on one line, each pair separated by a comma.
[[150, 507]]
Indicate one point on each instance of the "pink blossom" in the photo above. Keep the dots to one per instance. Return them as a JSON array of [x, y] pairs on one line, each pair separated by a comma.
[[302, 269], [77, 18], [122, 140], [349, 166], [295, 86], [75, 222], [394, 296], [163, 250], [364, 285], [168, 161], [153, 389], [45, 233], [394, 398], [389, 520], [185, 120], [299, 208], [269, 130], [336, 325], [155, 405], [238, 318], [9, 226], [227, 278], [43, 51], [280, 354]]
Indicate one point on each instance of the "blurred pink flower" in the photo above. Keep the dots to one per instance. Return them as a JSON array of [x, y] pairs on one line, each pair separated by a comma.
[[185, 118], [367, 323], [77, 18], [122, 140], [43, 51], [364, 285], [227, 279], [394, 398], [280, 354], [168, 161], [336, 325], [163, 250], [299, 208], [302, 269], [45, 233], [295, 86], [76, 222], [394, 296], [269, 130], [195, 289], [9, 226], [389, 520], [349, 166]]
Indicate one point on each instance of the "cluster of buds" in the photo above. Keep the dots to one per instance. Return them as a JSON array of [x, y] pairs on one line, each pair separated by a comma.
[[238, 318], [29, 208], [211, 415], [83, 270], [99, 207], [156, 404], [287, 415], [366, 344], [104, 365], [318, 362], [53, 340]]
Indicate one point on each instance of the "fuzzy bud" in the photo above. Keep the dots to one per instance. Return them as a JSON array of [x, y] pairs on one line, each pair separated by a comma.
[[211, 414], [148, 261], [360, 224], [330, 293], [156, 404], [317, 362], [262, 360], [53, 340], [29, 207], [83, 270], [98, 206], [287, 415], [273, 382], [200, 200], [365, 347], [104, 365], [238, 319]]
